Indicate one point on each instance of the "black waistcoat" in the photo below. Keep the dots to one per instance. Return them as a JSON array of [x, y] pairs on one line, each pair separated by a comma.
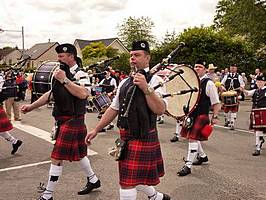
[[204, 103], [140, 118], [234, 80], [259, 98], [108, 88], [65, 103]]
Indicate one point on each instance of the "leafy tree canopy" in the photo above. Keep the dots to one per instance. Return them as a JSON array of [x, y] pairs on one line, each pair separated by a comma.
[[243, 17], [136, 29]]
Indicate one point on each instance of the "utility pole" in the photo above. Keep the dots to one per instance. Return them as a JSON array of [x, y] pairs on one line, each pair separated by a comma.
[[22, 33]]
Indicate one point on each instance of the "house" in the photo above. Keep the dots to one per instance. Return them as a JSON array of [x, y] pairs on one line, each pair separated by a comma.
[[110, 42], [41, 52], [10, 56]]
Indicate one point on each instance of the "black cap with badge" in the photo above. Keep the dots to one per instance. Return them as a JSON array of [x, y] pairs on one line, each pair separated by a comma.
[[66, 48], [69, 48], [200, 62], [140, 45], [261, 78]]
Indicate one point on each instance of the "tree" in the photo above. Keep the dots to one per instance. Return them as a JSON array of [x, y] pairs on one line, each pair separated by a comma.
[[94, 50], [243, 17], [136, 29], [213, 46]]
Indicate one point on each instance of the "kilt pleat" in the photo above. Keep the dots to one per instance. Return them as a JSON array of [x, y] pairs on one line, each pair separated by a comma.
[[195, 132], [70, 143], [5, 124], [143, 163], [230, 108]]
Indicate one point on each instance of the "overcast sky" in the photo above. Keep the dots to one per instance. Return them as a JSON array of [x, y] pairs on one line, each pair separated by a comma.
[[66, 20]]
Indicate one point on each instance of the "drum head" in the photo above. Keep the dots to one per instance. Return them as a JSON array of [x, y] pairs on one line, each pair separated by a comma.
[[42, 78], [185, 81]]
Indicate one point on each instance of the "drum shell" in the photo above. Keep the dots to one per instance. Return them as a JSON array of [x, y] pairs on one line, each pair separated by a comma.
[[43, 76], [229, 98], [101, 102]]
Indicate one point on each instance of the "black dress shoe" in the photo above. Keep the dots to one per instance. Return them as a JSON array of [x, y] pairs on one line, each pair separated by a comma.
[[174, 139], [226, 124], [16, 146], [256, 153], [110, 126], [200, 160], [89, 187], [160, 121], [184, 171], [166, 197], [41, 198]]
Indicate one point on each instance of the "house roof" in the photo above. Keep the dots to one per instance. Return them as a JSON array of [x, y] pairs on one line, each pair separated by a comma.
[[39, 49], [5, 51], [84, 43]]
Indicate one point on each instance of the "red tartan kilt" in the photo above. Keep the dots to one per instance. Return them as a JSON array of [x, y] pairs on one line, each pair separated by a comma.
[[143, 163], [195, 132], [5, 124], [233, 109], [70, 143]]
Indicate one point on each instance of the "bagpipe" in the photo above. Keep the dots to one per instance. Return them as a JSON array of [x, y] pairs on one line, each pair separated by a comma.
[[43, 76], [182, 85], [9, 84]]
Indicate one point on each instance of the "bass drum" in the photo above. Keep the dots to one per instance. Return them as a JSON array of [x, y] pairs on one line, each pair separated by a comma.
[[42, 78], [180, 106]]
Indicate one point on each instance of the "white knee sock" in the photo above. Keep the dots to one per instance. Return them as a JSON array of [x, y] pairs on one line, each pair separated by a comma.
[[192, 153], [150, 192], [128, 194], [226, 117], [200, 150], [178, 129], [233, 118], [86, 167], [258, 141], [54, 173], [8, 137]]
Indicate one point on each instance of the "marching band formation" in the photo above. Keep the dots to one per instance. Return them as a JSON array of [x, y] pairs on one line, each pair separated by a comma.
[[139, 102]]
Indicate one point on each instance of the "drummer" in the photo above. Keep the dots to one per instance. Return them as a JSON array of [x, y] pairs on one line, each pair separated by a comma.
[[200, 119], [109, 86], [5, 123], [108, 83], [259, 101], [232, 81]]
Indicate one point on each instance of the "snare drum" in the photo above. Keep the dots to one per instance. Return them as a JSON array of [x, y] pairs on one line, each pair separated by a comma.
[[229, 98], [258, 117], [101, 102]]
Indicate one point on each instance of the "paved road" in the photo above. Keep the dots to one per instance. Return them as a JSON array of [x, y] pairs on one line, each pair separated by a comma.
[[231, 174]]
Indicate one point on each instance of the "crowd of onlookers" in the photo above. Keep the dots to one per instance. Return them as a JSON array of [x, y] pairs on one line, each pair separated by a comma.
[[250, 81], [17, 83]]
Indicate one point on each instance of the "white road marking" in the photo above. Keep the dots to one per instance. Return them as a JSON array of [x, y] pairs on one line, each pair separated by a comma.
[[41, 134], [25, 166], [240, 130]]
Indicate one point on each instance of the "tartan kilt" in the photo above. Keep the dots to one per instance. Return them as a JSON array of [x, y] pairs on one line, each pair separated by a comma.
[[70, 142], [143, 162], [195, 132], [233, 109], [251, 125], [5, 124]]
